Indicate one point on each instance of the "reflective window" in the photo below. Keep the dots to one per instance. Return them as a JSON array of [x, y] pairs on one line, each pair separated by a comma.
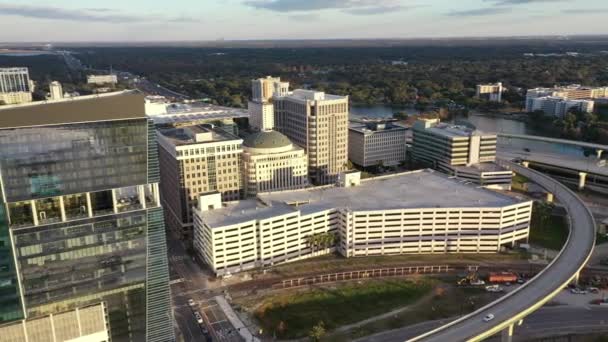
[[127, 199], [48, 210], [101, 202], [75, 206], [21, 214]]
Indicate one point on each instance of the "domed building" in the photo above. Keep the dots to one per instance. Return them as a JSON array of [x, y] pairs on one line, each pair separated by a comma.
[[271, 162]]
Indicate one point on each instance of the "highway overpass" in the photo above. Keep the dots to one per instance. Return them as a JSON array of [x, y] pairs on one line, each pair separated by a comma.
[[511, 309]]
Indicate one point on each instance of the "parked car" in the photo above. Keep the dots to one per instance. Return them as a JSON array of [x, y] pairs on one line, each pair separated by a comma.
[[198, 317], [488, 317], [593, 290], [577, 291]]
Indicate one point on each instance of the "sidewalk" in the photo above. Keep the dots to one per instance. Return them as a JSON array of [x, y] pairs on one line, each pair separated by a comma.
[[235, 320]]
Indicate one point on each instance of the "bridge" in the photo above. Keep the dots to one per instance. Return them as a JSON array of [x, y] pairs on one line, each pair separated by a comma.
[[573, 162], [510, 310]]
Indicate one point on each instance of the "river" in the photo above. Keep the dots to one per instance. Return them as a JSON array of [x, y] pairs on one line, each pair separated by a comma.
[[486, 123]]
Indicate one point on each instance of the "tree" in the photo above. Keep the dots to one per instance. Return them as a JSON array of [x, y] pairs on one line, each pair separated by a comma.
[[317, 332]]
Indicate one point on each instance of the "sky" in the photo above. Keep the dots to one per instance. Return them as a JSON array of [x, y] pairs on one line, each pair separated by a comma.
[[195, 20]]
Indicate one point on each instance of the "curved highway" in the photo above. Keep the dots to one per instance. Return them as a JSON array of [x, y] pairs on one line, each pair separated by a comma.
[[513, 307]]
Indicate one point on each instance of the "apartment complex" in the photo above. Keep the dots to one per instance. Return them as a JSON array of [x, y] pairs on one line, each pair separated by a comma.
[[493, 91], [567, 93], [388, 215], [318, 122], [459, 151], [195, 160], [559, 106], [102, 79], [15, 86], [261, 109], [376, 143], [80, 218], [272, 163]]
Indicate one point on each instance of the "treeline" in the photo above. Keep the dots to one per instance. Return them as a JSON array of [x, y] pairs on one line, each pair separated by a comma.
[[431, 75]]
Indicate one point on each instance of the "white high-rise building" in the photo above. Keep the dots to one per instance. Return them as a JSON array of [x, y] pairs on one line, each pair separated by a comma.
[[318, 122], [56, 91], [261, 109], [560, 106], [492, 91], [15, 86]]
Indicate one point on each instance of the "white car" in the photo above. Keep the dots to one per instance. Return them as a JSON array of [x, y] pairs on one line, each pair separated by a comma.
[[191, 302], [488, 317], [199, 318]]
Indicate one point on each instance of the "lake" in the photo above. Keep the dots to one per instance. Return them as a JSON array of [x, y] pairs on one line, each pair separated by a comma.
[[484, 123]]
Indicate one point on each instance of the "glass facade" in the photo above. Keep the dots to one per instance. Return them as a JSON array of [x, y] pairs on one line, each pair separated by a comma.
[[86, 225]]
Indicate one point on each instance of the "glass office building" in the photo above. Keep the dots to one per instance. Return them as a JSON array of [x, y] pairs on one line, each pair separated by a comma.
[[80, 218]]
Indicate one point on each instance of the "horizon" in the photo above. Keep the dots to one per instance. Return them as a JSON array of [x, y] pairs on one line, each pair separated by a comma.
[[254, 20]]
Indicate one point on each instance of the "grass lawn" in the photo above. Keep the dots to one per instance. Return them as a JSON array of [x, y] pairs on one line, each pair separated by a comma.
[[552, 235], [292, 315], [453, 302]]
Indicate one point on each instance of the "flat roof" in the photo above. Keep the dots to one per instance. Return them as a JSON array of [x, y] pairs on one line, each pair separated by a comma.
[[481, 167], [363, 128], [102, 107], [412, 190], [195, 111], [186, 135], [452, 131]]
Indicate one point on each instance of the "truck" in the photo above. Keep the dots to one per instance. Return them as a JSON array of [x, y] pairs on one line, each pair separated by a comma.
[[502, 277]]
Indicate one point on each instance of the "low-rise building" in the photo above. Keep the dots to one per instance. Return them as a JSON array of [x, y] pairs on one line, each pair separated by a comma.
[[272, 163], [560, 106], [376, 143], [459, 151], [102, 79], [571, 92], [15, 86], [388, 215], [195, 160]]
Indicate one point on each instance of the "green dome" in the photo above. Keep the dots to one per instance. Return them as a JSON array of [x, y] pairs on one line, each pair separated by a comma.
[[267, 139]]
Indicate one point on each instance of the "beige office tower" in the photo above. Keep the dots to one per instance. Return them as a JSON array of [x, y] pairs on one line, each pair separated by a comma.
[[195, 160], [318, 122], [272, 163], [263, 89], [56, 91]]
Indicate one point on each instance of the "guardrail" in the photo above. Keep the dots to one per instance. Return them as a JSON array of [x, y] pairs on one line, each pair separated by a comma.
[[363, 274], [516, 305]]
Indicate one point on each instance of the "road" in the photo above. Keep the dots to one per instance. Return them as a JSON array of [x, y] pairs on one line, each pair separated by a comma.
[[546, 322], [539, 290]]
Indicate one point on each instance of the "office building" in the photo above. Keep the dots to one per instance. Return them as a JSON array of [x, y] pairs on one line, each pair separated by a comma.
[[317, 122], [272, 163], [560, 106], [376, 143], [389, 215], [102, 79], [80, 218], [493, 92], [15, 86], [571, 92], [459, 151], [56, 91], [196, 160], [261, 115]]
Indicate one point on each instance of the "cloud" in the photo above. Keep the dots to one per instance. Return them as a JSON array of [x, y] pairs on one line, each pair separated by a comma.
[[480, 12], [520, 2], [357, 7], [104, 15], [585, 10], [305, 17]]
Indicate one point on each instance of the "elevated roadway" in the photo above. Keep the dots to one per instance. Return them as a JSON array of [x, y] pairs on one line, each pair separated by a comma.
[[511, 309]]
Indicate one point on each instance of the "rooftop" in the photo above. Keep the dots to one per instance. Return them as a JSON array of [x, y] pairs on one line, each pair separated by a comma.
[[195, 134], [417, 189], [447, 129], [480, 167], [267, 139], [376, 127], [194, 111], [127, 104], [311, 95]]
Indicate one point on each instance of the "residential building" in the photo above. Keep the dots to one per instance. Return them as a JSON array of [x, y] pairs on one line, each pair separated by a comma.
[[459, 151], [389, 215], [492, 91], [317, 122], [195, 160], [15, 86], [261, 115], [272, 163], [80, 218], [560, 106], [56, 91], [376, 143], [102, 79], [263, 89]]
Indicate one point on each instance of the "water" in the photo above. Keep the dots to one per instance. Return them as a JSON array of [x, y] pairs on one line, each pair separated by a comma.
[[488, 124]]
